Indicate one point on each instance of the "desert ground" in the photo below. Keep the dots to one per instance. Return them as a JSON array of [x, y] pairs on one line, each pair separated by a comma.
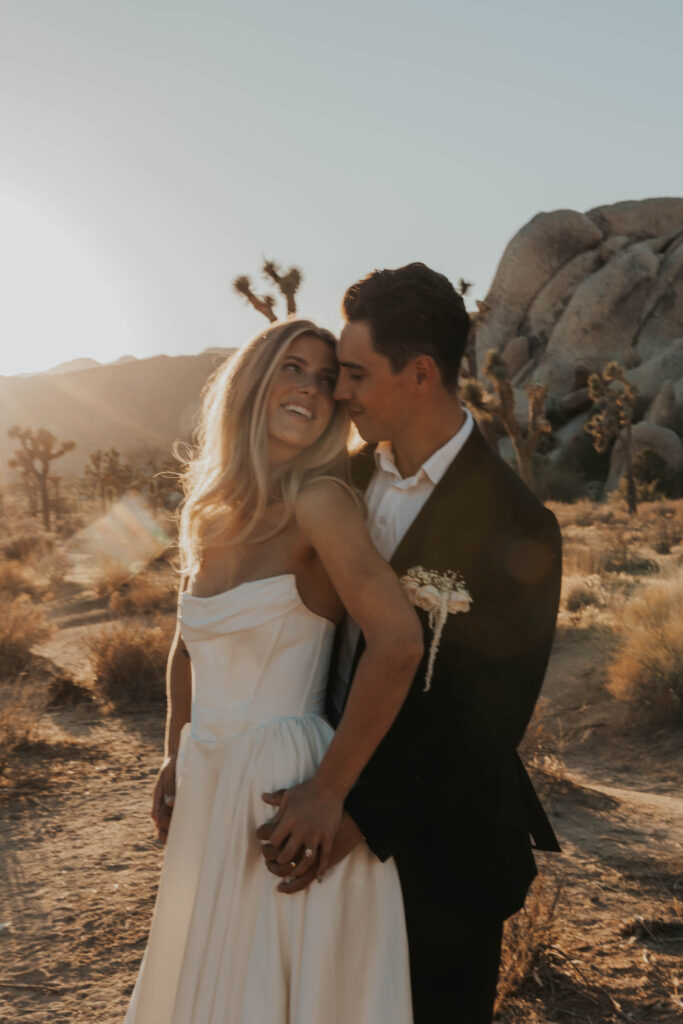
[[601, 938]]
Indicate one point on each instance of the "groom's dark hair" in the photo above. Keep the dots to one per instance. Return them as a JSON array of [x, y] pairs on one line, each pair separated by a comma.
[[412, 311]]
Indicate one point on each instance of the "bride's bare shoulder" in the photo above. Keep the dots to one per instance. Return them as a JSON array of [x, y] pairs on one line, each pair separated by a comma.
[[326, 497]]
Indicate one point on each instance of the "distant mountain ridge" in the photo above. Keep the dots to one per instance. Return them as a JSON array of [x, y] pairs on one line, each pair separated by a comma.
[[133, 404]]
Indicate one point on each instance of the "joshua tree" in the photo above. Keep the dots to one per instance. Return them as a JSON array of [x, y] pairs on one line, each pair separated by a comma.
[[287, 283], [614, 399], [38, 450], [106, 476], [477, 400], [502, 405]]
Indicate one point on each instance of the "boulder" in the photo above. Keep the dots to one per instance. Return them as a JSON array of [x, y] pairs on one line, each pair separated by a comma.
[[516, 354], [576, 401], [645, 435], [611, 245], [567, 434], [531, 259], [521, 375], [662, 316], [644, 218], [552, 299], [649, 378], [601, 319], [663, 409]]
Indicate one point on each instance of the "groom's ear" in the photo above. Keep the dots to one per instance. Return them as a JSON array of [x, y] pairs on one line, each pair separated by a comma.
[[425, 373]]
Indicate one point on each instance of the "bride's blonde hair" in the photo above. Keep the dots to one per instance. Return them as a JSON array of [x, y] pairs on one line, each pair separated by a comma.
[[227, 480]]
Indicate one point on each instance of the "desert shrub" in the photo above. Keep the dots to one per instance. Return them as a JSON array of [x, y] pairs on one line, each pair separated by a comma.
[[530, 932], [129, 662], [647, 670], [109, 575], [583, 591], [145, 594], [53, 568], [17, 578], [582, 457], [25, 545], [666, 533], [650, 467], [22, 625], [20, 709], [621, 556]]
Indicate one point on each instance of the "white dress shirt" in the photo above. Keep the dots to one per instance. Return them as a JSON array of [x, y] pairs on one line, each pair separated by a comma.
[[393, 504]]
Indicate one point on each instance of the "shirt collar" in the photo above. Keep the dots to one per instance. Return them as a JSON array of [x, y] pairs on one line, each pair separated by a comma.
[[438, 462]]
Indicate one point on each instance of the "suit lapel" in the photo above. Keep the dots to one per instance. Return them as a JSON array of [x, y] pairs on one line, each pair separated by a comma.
[[437, 516]]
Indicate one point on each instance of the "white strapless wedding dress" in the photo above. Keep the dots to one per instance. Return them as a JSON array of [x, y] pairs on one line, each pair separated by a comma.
[[225, 947]]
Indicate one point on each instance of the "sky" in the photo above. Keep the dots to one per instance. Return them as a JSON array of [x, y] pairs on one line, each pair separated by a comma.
[[153, 150]]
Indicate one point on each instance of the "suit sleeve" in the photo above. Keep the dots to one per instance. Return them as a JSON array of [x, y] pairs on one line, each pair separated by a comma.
[[446, 743]]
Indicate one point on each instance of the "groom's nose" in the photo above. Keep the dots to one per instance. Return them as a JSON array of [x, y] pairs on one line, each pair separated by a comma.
[[343, 391]]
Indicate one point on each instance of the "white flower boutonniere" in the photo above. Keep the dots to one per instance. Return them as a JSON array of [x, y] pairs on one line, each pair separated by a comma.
[[440, 594]]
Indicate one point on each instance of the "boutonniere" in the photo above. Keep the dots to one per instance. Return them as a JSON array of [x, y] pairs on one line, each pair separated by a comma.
[[440, 594]]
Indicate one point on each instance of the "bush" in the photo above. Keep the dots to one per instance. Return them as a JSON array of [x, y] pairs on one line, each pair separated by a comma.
[[647, 671], [129, 662], [20, 709], [529, 933], [109, 575], [22, 625], [24, 546], [580, 592], [16, 579], [145, 594]]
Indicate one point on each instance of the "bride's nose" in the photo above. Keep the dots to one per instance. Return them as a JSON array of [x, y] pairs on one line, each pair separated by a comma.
[[308, 383]]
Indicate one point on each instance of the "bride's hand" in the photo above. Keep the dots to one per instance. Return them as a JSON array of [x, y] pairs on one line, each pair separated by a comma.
[[308, 819], [163, 797]]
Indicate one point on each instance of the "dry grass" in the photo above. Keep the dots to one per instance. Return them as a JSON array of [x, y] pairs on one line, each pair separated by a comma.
[[647, 671], [17, 578], [145, 594], [529, 933], [20, 710], [583, 591], [109, 575], [129, 662], [27, 546], [22, 625]]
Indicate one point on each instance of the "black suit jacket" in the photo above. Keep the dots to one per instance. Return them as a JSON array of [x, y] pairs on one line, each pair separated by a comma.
[[445, 793]]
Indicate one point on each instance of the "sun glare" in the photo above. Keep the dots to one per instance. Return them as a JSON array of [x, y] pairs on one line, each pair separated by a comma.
[[57, 299]]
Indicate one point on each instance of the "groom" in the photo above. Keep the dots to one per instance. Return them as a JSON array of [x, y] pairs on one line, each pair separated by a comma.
[[445, 793]]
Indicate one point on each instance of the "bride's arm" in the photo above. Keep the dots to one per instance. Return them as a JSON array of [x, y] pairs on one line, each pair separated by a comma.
[[372, 595], [179, 700]]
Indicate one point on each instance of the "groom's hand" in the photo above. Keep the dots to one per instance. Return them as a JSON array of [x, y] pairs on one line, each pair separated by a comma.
[[300, 877]]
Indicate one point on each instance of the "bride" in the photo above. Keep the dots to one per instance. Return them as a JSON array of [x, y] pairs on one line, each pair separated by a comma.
[[274, 548]]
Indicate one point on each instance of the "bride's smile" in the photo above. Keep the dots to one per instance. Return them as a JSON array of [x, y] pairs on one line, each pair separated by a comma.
[[300, 404]]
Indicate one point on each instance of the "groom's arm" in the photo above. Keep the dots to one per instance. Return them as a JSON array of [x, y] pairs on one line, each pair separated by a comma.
[[445, 744]]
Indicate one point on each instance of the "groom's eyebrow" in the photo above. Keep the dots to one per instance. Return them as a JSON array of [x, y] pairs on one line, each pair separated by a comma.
[[351, 366]]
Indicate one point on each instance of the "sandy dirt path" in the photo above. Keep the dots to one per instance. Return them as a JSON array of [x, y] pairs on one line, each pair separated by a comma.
[[79, 865]]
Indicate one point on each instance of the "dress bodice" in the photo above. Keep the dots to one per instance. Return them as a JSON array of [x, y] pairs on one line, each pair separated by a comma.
[[258, 655]]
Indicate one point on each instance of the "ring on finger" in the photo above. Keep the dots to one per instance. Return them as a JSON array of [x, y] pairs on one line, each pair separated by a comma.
[[292, 864], [308, 853]]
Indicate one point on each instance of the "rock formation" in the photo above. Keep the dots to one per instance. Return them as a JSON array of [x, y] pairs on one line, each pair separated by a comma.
[[574, 291]]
